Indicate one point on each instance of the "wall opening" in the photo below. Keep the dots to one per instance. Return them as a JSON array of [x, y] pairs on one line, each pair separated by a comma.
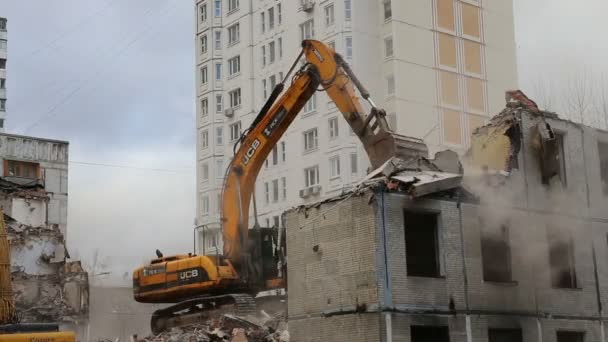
[[554, 160], [429, 334], [561, 259], [570, 336], [496, 253], [603, 154], [505, 335], [422, 244]]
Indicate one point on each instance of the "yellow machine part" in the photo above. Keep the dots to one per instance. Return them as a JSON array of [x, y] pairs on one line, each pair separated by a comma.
[[39, 337]]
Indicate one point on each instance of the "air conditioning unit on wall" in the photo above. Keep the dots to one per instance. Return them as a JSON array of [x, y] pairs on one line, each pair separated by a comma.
[[307, 5], [304, 193], [229, 112], [315, 190]]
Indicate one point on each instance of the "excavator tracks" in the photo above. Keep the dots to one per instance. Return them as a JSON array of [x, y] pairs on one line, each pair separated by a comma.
[[200, 309]]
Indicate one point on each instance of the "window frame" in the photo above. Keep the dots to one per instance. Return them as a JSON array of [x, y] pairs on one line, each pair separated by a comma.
[[315, 173], [234, 66]]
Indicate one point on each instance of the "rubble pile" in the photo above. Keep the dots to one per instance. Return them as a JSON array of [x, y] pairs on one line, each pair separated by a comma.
[[228, 328]]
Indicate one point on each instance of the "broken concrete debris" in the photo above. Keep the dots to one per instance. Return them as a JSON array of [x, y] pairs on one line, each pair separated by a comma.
[[228, 328]]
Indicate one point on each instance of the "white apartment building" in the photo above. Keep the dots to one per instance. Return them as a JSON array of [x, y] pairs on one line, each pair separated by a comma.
[[3, 55], [438, 67]]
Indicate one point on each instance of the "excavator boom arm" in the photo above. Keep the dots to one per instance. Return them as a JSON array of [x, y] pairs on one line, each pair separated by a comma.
[[324, 68]]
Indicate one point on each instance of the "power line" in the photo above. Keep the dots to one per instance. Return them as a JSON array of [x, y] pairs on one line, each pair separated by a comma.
[[183, 170], [51, 112]]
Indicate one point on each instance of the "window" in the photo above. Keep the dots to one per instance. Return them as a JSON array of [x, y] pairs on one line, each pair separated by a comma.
[[280, 48], [234, 34], [205, 171], [2, 105], [204, 44], [311, 176], [307, 29], [219, 168], [235, 97], [275, 155], [265, 91], [14, 168], [553, 163], [388, 11], [234, 65], [349, 47], [354, 165], [390, 85], [218, 40], [219, 135], [235, 131], [475, 94], [452, 127], [470, 21], [445, 14], [496, 253], [2, 63], [505, 335], [205, 205], [219, 103], [348, 10], [472, 57], [276, 221], [271, 51], [204, 75], [204, 139], [263, 55], [263, 21], [218, 8], [283, 152], [271, 18], [203, 12], [570, 336], [2, 83], [334, 163], [388, 47], [218, 71], [561, 258], [329, 15], [233, 5], [429, 334], [447, 50], [310, 140], [422, 244], [273, 82], [3, 44], [267, 192], [311, 104], [284, 187], [275, 190], [450, 93], [333, 128], [279, 14], [603, 157]]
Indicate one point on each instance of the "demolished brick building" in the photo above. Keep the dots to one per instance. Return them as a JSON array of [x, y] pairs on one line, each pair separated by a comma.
[[516, 250], [33, 195]]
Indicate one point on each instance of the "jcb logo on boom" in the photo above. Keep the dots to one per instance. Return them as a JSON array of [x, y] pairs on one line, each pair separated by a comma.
[[188, 274], [251, 151]]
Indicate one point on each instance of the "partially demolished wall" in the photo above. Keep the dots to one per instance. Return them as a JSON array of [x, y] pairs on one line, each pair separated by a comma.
[[33, 194], [518, 251]]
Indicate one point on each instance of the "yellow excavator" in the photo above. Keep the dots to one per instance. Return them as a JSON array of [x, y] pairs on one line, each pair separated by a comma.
[[198, 284], [10, 328]]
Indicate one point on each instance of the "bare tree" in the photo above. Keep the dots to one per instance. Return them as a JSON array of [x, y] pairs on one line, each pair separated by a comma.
[[543, 93], [601, 102], [578, 97]]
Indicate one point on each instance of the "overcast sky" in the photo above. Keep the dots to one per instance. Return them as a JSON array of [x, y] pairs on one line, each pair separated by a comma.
[[115, 78]]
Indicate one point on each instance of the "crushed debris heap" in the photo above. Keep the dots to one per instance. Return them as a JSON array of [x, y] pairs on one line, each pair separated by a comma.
[[515, 246]]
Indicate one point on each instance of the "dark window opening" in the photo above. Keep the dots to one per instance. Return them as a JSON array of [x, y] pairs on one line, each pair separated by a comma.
[[505, 335], [554, 160], [561, 259], [603, 153], [421, 244], [429, 334], [2, 63], [14, 168], [496, 254], [570, 336]]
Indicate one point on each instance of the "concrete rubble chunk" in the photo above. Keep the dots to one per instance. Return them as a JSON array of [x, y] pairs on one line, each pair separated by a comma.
[[229, 328]]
